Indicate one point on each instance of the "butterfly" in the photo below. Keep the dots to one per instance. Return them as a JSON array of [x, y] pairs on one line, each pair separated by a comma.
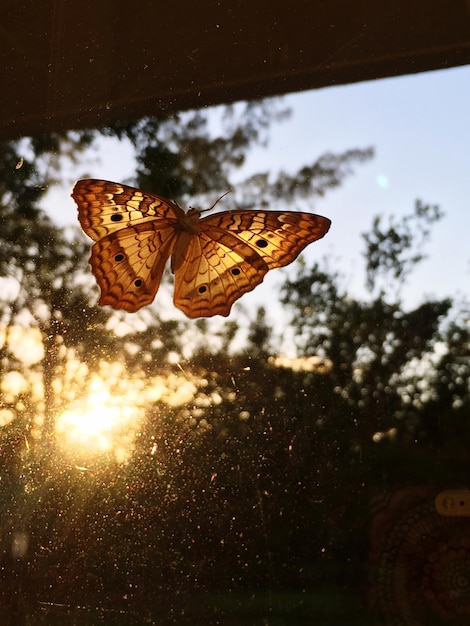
[[215, 259]]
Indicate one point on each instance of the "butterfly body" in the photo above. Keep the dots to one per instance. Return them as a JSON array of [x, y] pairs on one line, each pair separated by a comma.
[[215, 259]]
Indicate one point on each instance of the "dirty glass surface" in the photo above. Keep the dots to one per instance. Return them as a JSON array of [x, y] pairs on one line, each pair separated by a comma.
[[302, 461]]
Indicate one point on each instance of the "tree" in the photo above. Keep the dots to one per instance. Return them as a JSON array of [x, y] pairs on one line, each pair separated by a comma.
[[371, 344]]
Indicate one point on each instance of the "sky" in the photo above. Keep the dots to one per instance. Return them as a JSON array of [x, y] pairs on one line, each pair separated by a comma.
[[419, 126]]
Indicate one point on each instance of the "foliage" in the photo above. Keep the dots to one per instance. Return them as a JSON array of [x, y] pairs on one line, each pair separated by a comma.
[[394, 252]]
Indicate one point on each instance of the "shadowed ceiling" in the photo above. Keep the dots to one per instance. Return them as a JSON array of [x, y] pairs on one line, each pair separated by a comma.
[[69, 64]]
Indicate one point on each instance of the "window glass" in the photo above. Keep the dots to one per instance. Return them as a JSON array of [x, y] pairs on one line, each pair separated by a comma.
[[300, 458]]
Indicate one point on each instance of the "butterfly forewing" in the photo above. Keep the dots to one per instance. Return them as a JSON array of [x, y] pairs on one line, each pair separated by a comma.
[[105, 207], [277, 236]]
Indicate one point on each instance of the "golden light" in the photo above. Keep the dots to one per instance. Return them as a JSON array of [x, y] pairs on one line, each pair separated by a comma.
[[106, 421], [24, 343], [100, 424]]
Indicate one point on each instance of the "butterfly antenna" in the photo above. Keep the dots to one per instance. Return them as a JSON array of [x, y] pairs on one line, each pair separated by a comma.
[[170, 194], [217, 201]]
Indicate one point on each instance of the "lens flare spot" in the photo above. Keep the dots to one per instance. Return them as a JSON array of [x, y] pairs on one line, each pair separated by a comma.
[[382, 181]]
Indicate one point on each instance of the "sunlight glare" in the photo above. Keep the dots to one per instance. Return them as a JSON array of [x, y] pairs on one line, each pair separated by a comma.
[[100, 424]]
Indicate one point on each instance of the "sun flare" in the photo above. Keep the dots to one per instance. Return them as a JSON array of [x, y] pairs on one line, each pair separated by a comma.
[[100, 424]]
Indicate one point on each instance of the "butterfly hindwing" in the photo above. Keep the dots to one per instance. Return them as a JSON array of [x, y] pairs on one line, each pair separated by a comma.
[[128, 265], [215, 274]]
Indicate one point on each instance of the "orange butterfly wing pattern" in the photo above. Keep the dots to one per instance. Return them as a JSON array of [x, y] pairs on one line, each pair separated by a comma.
[[215, 259], [234, 252], [135, 235]]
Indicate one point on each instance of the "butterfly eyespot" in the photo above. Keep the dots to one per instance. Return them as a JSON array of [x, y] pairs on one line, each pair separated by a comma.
[[261, 243], [119, 257], [236, 271], [138, 282], [116, 217], [202, 289]]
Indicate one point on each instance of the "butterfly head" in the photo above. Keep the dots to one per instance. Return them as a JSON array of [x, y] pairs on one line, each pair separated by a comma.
[[189, 221]]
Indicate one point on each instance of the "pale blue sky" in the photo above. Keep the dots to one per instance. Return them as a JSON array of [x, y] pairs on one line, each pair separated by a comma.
[[420, 128]]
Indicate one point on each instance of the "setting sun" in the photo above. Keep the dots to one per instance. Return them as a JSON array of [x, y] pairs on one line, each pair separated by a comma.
[[100, 424], [107, 419]]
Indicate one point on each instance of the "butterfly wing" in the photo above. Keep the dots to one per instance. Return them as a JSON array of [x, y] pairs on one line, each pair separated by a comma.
[[128, 265], [233, 252], [134, 233]]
